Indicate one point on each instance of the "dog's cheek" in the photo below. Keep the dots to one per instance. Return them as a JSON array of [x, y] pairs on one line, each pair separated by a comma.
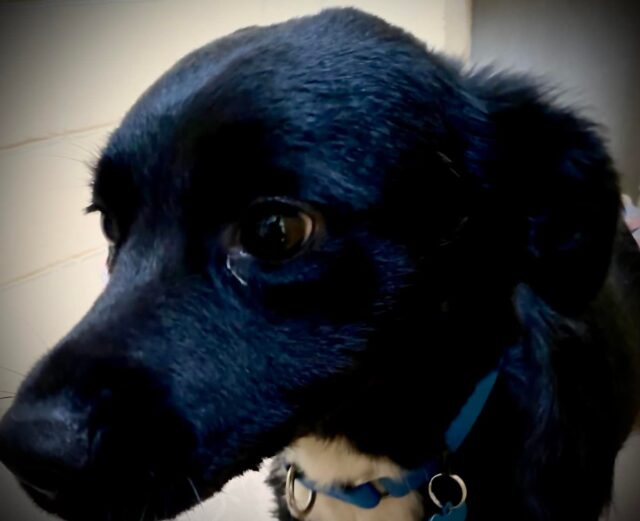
[[343, 290]]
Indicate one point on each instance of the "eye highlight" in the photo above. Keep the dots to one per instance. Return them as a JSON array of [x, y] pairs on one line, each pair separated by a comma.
[[274, 230]]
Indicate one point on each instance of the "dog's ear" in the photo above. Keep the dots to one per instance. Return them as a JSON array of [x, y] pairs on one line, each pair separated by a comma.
[[555, 176]]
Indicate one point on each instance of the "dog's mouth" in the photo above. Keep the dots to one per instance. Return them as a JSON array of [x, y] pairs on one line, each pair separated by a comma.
[[137, 502], [140, 461], [120, 491], [117, 495]]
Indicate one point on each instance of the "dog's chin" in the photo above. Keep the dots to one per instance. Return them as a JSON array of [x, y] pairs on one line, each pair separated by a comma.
[[122, 502]]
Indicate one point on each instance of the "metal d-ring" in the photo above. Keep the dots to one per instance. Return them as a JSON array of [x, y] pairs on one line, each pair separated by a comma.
[[290, 488], [458, 480]]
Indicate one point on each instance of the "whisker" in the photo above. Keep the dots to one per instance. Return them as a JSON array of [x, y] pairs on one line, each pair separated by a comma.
[[94, 152], [144, 511], [69, 158], [195, 490], [7, 397]]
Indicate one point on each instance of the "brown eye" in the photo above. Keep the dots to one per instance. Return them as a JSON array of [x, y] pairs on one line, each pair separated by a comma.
[[274, 230]]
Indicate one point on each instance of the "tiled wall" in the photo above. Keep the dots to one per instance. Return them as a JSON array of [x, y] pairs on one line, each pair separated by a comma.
[[69, 69]]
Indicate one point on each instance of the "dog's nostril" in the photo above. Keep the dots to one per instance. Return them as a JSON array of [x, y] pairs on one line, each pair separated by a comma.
[[44, 451]]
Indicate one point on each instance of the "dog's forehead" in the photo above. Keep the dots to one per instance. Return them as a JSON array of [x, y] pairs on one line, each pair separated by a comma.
[[338, 93]]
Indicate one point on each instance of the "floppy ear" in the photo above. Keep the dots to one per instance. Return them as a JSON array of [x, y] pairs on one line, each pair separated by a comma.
[[553, 171]]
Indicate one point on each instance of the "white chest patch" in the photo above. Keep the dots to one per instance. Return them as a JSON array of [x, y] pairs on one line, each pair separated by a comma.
[[337, 461]]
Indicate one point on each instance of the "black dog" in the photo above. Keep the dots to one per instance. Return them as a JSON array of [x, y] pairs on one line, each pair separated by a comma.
[[326, 238]]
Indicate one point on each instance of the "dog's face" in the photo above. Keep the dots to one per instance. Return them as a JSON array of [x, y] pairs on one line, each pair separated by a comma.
[[308, 223]]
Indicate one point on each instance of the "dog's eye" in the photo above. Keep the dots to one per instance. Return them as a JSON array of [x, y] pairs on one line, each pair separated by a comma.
[[109, 228], [274, 230]]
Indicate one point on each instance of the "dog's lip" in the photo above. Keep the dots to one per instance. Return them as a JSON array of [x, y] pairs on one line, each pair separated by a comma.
[[47, 500], [48, 495], [47, 487], [84, 499]]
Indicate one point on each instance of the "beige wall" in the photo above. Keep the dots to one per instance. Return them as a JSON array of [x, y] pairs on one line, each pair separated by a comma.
[[69, 69]]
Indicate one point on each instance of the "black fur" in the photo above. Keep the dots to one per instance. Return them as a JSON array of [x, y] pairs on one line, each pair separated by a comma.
[[465, 218]]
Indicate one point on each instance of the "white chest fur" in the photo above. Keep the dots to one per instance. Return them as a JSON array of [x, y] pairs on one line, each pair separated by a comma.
[[337, 461]]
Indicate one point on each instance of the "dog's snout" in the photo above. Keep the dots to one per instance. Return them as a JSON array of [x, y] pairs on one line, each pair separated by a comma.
[[67, 439], [42, 447]]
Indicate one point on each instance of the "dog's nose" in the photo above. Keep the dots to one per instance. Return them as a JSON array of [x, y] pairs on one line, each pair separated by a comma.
[[42, 447]]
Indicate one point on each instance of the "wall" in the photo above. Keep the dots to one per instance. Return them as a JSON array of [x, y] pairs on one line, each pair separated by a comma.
[[69, 70], [588, 48]]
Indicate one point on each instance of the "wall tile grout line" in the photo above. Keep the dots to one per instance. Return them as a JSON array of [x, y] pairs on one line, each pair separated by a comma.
[[79, 257]]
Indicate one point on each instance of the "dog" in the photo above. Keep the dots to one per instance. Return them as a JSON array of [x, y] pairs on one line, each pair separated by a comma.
[[407, 282]]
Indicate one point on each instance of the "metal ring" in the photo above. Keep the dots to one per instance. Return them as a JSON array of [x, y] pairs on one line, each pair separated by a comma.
[[290, 488], [458, 480]]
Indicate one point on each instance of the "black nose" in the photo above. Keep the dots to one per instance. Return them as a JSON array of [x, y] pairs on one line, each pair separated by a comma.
[[42, 447]]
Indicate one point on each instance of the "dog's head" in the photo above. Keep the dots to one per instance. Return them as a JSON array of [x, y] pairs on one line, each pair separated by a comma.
[[310, 223]]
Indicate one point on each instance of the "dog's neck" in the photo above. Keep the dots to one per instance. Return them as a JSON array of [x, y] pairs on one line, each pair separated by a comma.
[[338, 462]]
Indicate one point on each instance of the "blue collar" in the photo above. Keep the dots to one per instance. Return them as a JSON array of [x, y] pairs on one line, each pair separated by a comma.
[[369, 494]]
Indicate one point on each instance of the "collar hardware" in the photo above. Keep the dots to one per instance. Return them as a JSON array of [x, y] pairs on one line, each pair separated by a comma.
[[290, 487], [368, 495], [457, 480]]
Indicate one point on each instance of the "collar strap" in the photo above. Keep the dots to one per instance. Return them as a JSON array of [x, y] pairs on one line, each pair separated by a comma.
[[368, 495]]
